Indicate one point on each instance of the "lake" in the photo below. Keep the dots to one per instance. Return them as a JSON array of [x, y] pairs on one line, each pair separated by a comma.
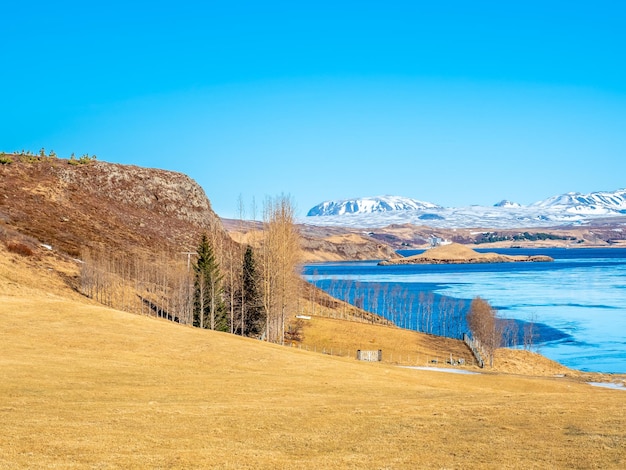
[[576, 305]]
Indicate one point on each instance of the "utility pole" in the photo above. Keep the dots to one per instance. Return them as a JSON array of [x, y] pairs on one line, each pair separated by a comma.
[[188, 253]]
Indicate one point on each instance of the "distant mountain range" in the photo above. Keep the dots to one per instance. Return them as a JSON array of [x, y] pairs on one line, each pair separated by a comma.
[[368, 205], [602, 202], [569, 208]]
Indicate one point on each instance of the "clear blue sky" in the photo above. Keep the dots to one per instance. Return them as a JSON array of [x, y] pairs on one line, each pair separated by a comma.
[[452, 102]]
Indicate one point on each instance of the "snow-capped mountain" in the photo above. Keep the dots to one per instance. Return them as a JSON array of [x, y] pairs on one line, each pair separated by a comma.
[[600, 203], [505, 203], [565, 209], [369, 205]]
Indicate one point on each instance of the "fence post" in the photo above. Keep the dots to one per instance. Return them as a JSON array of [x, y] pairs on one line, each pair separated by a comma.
[[474, 345]]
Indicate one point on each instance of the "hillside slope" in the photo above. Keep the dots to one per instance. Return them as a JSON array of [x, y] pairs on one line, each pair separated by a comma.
[[133, 229], [100, 204], [319, 244], [85, 386]]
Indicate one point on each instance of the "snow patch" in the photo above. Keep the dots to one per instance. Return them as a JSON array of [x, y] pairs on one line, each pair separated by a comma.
[[611, 385], [505, 203]]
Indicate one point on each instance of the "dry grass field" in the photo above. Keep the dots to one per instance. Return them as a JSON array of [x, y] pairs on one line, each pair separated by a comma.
[[409, 348], [399, 346], [83, 386]]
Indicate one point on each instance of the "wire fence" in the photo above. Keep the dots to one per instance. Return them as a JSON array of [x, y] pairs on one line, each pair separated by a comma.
[[475, 347]]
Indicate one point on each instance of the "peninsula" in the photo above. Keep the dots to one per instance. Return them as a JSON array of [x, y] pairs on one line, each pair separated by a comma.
[[456, 253]]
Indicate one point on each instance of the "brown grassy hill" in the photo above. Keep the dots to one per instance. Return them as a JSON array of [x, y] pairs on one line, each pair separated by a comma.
[[599, 233], [46, 273], [320, 243], [100, 204], [84, 386]]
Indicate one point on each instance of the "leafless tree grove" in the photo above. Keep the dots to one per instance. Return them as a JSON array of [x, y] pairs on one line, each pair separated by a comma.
[[162, 284], [280, 253], [158, 285]]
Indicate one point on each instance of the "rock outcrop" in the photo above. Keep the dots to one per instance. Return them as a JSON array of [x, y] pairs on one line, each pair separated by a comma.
[[104, 205]]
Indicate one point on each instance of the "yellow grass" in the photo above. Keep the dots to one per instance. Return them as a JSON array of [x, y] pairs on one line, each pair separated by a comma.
[[83, 386], [351, 238], [410, 348], [399, 346]]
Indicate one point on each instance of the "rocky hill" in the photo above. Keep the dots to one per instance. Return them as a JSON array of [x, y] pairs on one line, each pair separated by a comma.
[[98, 204], [73, 206]]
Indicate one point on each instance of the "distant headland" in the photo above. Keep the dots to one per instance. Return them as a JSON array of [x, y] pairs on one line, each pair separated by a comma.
[[456, 253]]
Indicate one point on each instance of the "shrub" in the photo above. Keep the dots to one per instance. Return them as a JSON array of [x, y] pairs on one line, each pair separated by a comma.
[[27, 157], [5, 159], [20, 248], [83, 160]]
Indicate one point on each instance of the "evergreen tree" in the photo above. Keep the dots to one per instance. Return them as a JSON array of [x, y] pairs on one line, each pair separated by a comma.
[[252, 315], [209, 310]]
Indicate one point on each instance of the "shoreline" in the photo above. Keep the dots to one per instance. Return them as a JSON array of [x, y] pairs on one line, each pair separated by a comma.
[[495, 295]]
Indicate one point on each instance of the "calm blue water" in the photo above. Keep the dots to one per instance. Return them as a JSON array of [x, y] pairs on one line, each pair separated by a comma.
[[577, 303]]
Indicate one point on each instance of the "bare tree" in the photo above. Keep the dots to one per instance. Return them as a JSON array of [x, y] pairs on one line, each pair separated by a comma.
[[529, 334], [510, 332], [482, 320], [280, 257]]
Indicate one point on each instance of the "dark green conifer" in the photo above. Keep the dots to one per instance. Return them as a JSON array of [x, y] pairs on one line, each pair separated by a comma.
[[209, 310], [253, 318]]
